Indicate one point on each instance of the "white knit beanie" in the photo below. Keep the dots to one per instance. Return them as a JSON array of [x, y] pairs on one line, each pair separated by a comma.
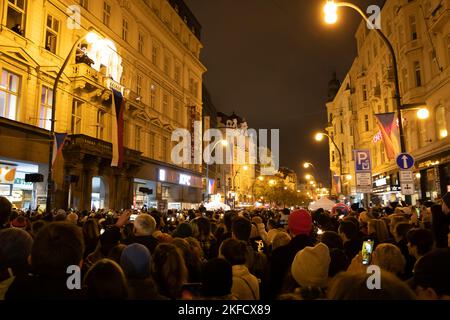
[[310, 266]]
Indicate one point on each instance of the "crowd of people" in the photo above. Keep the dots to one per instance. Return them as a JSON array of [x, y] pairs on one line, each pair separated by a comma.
[[235, 255]]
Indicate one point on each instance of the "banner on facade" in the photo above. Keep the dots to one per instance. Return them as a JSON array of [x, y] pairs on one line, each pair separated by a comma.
[[390, 133]]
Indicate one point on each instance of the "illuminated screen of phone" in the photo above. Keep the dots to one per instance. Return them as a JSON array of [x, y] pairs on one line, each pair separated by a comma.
[[367, 250], [133, 217]]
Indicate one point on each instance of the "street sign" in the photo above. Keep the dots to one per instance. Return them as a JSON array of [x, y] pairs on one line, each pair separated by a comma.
[[364, 182], [362, 160], [407, 188], [405, 161], [406, 176]]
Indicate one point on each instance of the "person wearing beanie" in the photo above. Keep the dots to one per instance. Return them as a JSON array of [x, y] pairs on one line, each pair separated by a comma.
[[135, 262], [310, 266], [300, 227]]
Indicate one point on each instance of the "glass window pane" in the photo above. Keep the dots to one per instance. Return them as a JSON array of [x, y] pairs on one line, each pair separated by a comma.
[[14, 83], [2, 103], [20, 4], [49, 21], [12, 106], [49, 97]]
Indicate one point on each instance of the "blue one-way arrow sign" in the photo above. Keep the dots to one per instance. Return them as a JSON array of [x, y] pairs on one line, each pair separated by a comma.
[[405, 161]]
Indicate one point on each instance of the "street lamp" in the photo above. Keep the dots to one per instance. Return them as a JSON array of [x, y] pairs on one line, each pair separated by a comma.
[[319, 137], [224, 143], [423, 113], [90, 37], [308, 177]]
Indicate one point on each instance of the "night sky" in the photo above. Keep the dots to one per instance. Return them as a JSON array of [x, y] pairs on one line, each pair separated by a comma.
[[270, 61]]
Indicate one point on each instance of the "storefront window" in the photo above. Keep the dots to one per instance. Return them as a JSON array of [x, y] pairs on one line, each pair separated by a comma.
[[98, 193]]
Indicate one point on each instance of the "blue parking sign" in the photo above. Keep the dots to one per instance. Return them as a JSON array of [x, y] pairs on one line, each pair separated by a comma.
[[362, 160], [405, 161]]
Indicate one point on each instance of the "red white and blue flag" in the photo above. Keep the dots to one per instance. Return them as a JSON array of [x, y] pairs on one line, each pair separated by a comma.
[[58, 144], [390, 133], [118, 107]]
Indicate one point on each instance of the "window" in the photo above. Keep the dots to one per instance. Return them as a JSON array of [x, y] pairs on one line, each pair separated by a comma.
[[138, 138], [155, 55], [165, 103], [124, 29], [366, 122], [364, 91], [152, 145], [100, 124], [332, 156], [417, 72], [84, 4], [51, 34], [106, 13], [75, 124], [441, 124], [45, 111], [177, 74], [141, 43], [167, 65], [9, 94], [413, 27], [16, 16], [176, 110], [139, 85], [153, 96]]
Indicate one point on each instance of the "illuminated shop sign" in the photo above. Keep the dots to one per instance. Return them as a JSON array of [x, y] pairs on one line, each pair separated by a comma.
[[185, 180], [162, 175]]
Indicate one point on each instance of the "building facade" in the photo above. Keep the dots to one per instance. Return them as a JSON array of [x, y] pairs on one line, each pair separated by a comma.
[[148, 50], [420, 34]]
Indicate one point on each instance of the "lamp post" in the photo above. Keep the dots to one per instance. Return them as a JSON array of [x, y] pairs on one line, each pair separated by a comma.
[[319, 137], [223, 143], [90, 37]]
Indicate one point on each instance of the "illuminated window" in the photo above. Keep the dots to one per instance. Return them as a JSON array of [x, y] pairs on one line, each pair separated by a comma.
[[141, 39], [51, 34], [153, 96], [106, 13], [16, 16], [45, 113], [139, 85], [9, 94], [75, 124]]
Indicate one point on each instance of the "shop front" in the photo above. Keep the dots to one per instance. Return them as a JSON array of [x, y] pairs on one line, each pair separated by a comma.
[[434, 176], [163, 187], [386, 188]]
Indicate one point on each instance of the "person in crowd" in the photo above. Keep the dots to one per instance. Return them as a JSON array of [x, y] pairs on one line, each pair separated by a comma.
[[72, 218], [91, 234], [377, 230], [107, 240], [280, 239], [105, 280], [245, 285], [206, 238], [300, 228], [441, 221], [388, 257], [228, 218], [169, 270], [420, 242], [135, 262], [5, 212], [348, 231], [159, 223], [144, 228], [353, 286], [431, 280], [310, 271], [364, 218], [217, 280], [273, 229], [396, 219], [338, 262], [184, 230], [332, 240], [261, 230], [193, 261], [56, 247], [399, 235], [116, 252], [15, 248], [36, 226], [20, 222]]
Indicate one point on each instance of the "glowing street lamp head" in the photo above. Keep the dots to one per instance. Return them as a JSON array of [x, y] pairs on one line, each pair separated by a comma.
[[348, 177], [443, 133], [306, 165], [92, 37], [271, 182], [319, 136], [423, 113], [330, 11], [245, 168], [261, 178], [224, 143], [308, 177]]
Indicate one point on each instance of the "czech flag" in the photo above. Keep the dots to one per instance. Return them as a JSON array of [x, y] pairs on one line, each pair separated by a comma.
[[118, 107], [59, 140], [390, 133]]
